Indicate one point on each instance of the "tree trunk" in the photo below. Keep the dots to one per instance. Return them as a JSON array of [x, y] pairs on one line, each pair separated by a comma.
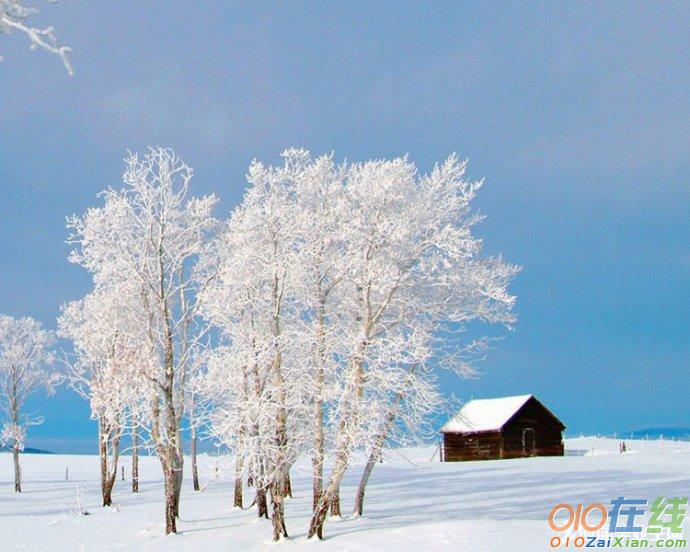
[[170, 517], [287, 488], [261, 506], [103, 456], [109, 445], [178, 467], [170, 444], [278, 511], [172, 462], [17, 469], [14, 404], [239, 451], [280, 485], [335, 504], [108, 489], [172, 470], [260, 500], [317, 480], [238, 481], [359, 498], [165, 450], [319, 516], [195, 469], [375, 455], [317, 458], [173, 444], [135, 460]]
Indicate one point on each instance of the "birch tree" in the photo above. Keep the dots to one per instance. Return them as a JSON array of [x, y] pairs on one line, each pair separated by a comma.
[[110, 355], [14, 16], [416, 269], [248, 299], [25, 358], [151, 232], [323, 266], [195, 409]]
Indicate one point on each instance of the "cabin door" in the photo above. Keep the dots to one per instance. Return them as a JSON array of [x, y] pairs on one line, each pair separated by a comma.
[[528, 442]]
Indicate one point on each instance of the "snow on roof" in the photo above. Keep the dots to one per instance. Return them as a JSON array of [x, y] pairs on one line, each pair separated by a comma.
[[485, 414]]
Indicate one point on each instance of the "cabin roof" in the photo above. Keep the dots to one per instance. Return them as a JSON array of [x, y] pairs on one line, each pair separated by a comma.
[[485, 414]]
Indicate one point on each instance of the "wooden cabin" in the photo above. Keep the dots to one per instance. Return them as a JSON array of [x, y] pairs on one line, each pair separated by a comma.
[[507, 427]]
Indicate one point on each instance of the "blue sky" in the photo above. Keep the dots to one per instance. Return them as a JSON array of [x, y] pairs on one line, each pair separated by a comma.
[[577, 115]]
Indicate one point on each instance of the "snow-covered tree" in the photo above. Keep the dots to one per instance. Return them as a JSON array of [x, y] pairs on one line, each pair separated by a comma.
[[14, 15], [416, 279], [25, 357], [111, 356], [150, 232], [252, 262], [323, 266]]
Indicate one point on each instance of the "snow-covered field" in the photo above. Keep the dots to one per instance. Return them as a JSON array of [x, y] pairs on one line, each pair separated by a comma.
[[412, 503]]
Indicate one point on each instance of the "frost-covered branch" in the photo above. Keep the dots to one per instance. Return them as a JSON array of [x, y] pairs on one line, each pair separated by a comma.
[[14, 15]]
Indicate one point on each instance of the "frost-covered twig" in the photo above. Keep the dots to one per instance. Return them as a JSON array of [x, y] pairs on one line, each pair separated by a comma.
[[13, 16]]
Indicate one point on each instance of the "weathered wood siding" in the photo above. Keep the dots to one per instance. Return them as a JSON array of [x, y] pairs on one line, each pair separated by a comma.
[[474, 446]]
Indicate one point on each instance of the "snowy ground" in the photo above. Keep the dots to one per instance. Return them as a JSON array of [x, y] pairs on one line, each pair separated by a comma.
[[413, 503]]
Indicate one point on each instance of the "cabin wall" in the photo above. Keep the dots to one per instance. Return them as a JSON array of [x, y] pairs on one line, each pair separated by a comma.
[[533, 425], [476, 446]]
